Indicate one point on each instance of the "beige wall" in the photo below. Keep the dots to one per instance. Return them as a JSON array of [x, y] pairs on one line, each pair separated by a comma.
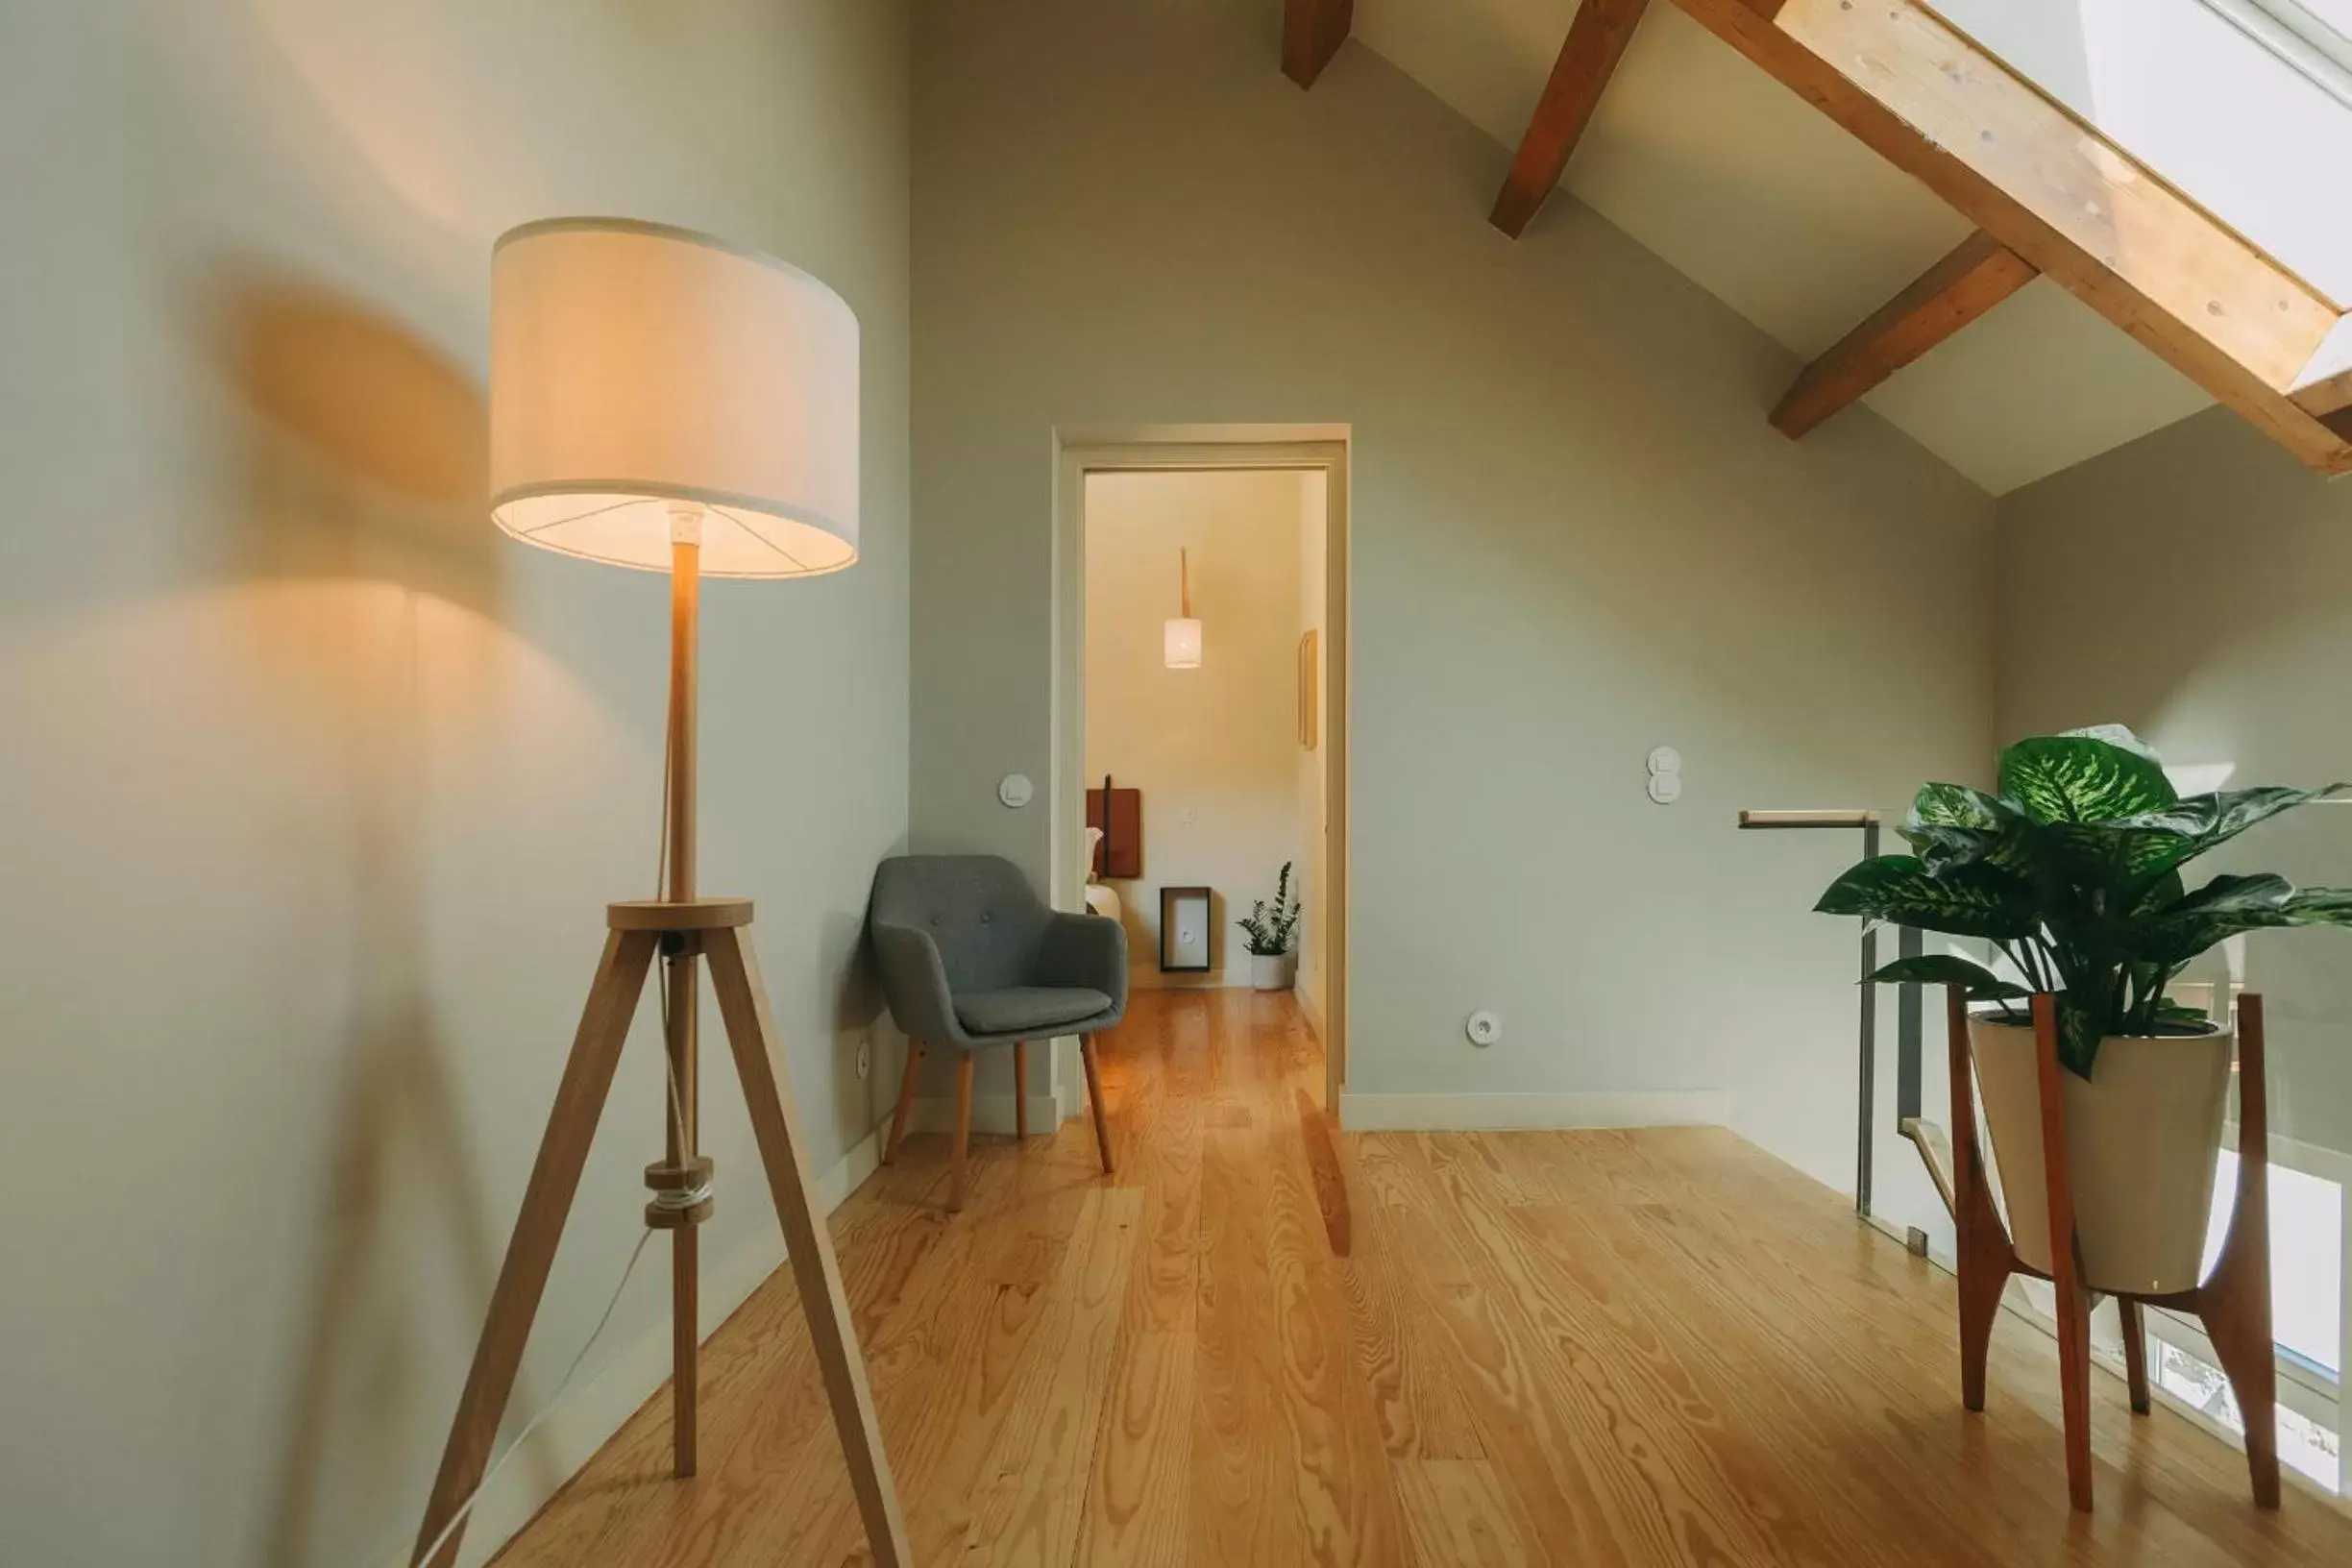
[[1214, 749], [317, 787], [1573, 538], [2195, 585]]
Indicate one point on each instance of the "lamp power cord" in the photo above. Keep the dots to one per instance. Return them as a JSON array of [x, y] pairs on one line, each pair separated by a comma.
[[670, 1201]]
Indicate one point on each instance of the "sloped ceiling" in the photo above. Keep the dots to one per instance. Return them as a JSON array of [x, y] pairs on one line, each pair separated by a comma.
[[1757, 196]]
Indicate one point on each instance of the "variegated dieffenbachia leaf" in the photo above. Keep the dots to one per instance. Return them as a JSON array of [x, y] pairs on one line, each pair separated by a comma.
[[2227, 906], [1951, 824], [1956, 805], [1966, 901], [2084, 775], [1948, 970], [2173, 834]]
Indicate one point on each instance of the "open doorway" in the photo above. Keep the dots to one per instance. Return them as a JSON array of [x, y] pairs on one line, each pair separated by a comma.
[[1201, 665]]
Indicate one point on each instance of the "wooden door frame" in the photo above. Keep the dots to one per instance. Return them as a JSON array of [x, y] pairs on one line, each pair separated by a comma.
[[1080, 451]]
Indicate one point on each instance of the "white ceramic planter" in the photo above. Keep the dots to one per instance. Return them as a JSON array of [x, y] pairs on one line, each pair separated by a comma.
[[2144, 1133], [1273, 972]]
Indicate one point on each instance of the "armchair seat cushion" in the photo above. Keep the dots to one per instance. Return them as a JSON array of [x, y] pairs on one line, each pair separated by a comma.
[[1020, 1010]]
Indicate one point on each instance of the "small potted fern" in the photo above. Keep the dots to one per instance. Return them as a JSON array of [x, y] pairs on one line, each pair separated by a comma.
[[1273, 933], [2073, 872]]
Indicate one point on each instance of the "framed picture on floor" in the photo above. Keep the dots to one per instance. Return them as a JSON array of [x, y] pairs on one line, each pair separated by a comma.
[[1184, 931]]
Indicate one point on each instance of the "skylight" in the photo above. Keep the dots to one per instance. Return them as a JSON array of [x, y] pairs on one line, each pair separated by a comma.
[[2206, 94]]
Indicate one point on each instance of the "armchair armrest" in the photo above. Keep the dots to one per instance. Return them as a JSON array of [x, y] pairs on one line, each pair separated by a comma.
[[1085, 950], [914, 984]]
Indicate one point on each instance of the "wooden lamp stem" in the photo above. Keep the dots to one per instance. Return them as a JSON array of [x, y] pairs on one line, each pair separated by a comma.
[[680, 1131], [685, 634]]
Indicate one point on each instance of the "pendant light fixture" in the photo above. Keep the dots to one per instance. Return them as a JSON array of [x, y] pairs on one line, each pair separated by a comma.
[[1181, 642]]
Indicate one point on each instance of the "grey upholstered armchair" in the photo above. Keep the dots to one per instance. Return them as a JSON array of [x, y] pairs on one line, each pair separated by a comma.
[[970, 957]]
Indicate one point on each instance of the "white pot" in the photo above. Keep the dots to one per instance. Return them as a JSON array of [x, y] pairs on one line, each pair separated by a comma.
[[1273, 972], [2144, 1133]]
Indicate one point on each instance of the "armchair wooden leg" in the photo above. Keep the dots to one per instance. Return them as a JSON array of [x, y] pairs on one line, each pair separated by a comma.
[[961, 1166], [906, 1101], [1021, 1088], [1102, 1122]]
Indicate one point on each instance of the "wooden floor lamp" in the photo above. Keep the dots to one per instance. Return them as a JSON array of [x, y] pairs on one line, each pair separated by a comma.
[[661, 399]]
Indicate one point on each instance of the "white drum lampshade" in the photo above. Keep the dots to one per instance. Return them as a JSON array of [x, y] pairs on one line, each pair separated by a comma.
[[641, 374]]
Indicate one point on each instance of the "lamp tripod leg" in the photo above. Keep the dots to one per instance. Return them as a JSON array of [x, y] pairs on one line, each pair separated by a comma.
[[547, 1203], [742, 1002]]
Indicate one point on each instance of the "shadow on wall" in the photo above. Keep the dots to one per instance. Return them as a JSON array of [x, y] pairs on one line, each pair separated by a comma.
[[367, 456], [360, 466]]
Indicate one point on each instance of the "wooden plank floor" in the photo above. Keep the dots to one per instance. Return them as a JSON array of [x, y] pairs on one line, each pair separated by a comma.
[[1592, 1348]]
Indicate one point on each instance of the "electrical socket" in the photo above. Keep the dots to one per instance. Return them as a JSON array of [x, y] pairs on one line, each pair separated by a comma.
[[865, 1058]]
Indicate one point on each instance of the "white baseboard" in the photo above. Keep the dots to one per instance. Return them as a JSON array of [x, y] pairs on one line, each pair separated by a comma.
[[991, 1114], [849, 1172], [1500, 1113], [567, 1439], [1312, 1014]]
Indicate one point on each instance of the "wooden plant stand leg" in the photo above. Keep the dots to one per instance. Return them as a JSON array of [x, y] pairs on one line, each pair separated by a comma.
[[2134, 1353], [2065, 1270], [960, 1161], [1021, 1088], [906, 1101], [1094, 1095], [547, 1202], [2234, 1303], [742, 1002], [1985, 1257]]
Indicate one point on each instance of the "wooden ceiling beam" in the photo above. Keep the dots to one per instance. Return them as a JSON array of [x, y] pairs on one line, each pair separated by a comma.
[[2052, 189], [2325, 385], [1978, 273], [1313, 32], [1596, 40]]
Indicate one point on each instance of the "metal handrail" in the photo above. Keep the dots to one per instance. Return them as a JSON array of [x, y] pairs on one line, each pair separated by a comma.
[[1909, 943]]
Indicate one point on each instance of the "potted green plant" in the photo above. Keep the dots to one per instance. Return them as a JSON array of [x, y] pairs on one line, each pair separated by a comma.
[[1272, 932], [2073, 871]]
